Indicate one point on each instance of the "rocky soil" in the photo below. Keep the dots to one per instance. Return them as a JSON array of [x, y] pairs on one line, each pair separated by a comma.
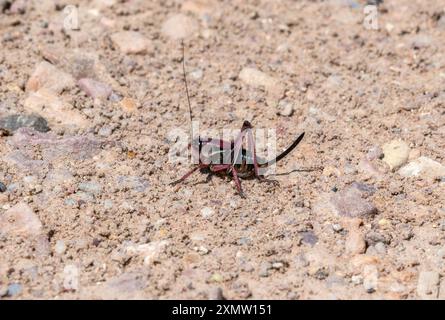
[[90, 92]]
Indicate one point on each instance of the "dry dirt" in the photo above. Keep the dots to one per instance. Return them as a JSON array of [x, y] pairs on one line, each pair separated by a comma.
[[88, 211]]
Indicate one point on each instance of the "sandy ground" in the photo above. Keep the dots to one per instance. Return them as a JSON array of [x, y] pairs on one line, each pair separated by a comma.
[[86, 210]]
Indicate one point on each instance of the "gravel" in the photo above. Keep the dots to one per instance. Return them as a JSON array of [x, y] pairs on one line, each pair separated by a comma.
[[96, 216]]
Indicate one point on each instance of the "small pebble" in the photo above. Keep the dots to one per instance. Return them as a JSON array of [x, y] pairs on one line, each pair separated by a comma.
[[196, 74], [130, 42], [423, 167], [207, 212], [309, 237], [374, 153], [336, 227], [355, 243], [396, 153], [285, 108], [16, 121], [179, 26], [380, 247], [114, 97], [201, 250], [257, 78], [277, 265], [350, 169], [71, 202], [129, 105], [14, 289], [20, 220], [49, 77], [94, 89], [105, 131], [406, 231], [108, 204], [244, 241], [264, 269], [420, 41], [350, 203], [3, 188], [60, 247]]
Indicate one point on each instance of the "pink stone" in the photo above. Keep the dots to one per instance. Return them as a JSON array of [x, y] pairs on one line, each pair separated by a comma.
[[20, 220], [94, 89]]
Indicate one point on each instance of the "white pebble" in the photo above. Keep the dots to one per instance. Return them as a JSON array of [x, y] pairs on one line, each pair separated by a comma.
[[424, 167], [60, 247], [207, 212]]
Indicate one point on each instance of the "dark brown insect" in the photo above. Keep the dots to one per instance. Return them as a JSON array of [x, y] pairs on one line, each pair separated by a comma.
[[230, 157]]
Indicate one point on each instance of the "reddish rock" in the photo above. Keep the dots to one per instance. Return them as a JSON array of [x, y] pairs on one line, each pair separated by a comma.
[[20, 220], [49, 77], [351, 204]]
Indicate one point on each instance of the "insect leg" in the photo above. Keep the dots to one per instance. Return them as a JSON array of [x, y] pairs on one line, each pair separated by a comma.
[[219, 167], [188, 174], [237, 182]]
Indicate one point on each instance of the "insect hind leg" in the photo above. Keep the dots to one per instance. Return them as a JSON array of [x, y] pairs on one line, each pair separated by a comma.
[[188, 174]]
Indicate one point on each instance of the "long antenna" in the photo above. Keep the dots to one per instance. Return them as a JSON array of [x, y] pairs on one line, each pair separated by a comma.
[[187, 89]]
